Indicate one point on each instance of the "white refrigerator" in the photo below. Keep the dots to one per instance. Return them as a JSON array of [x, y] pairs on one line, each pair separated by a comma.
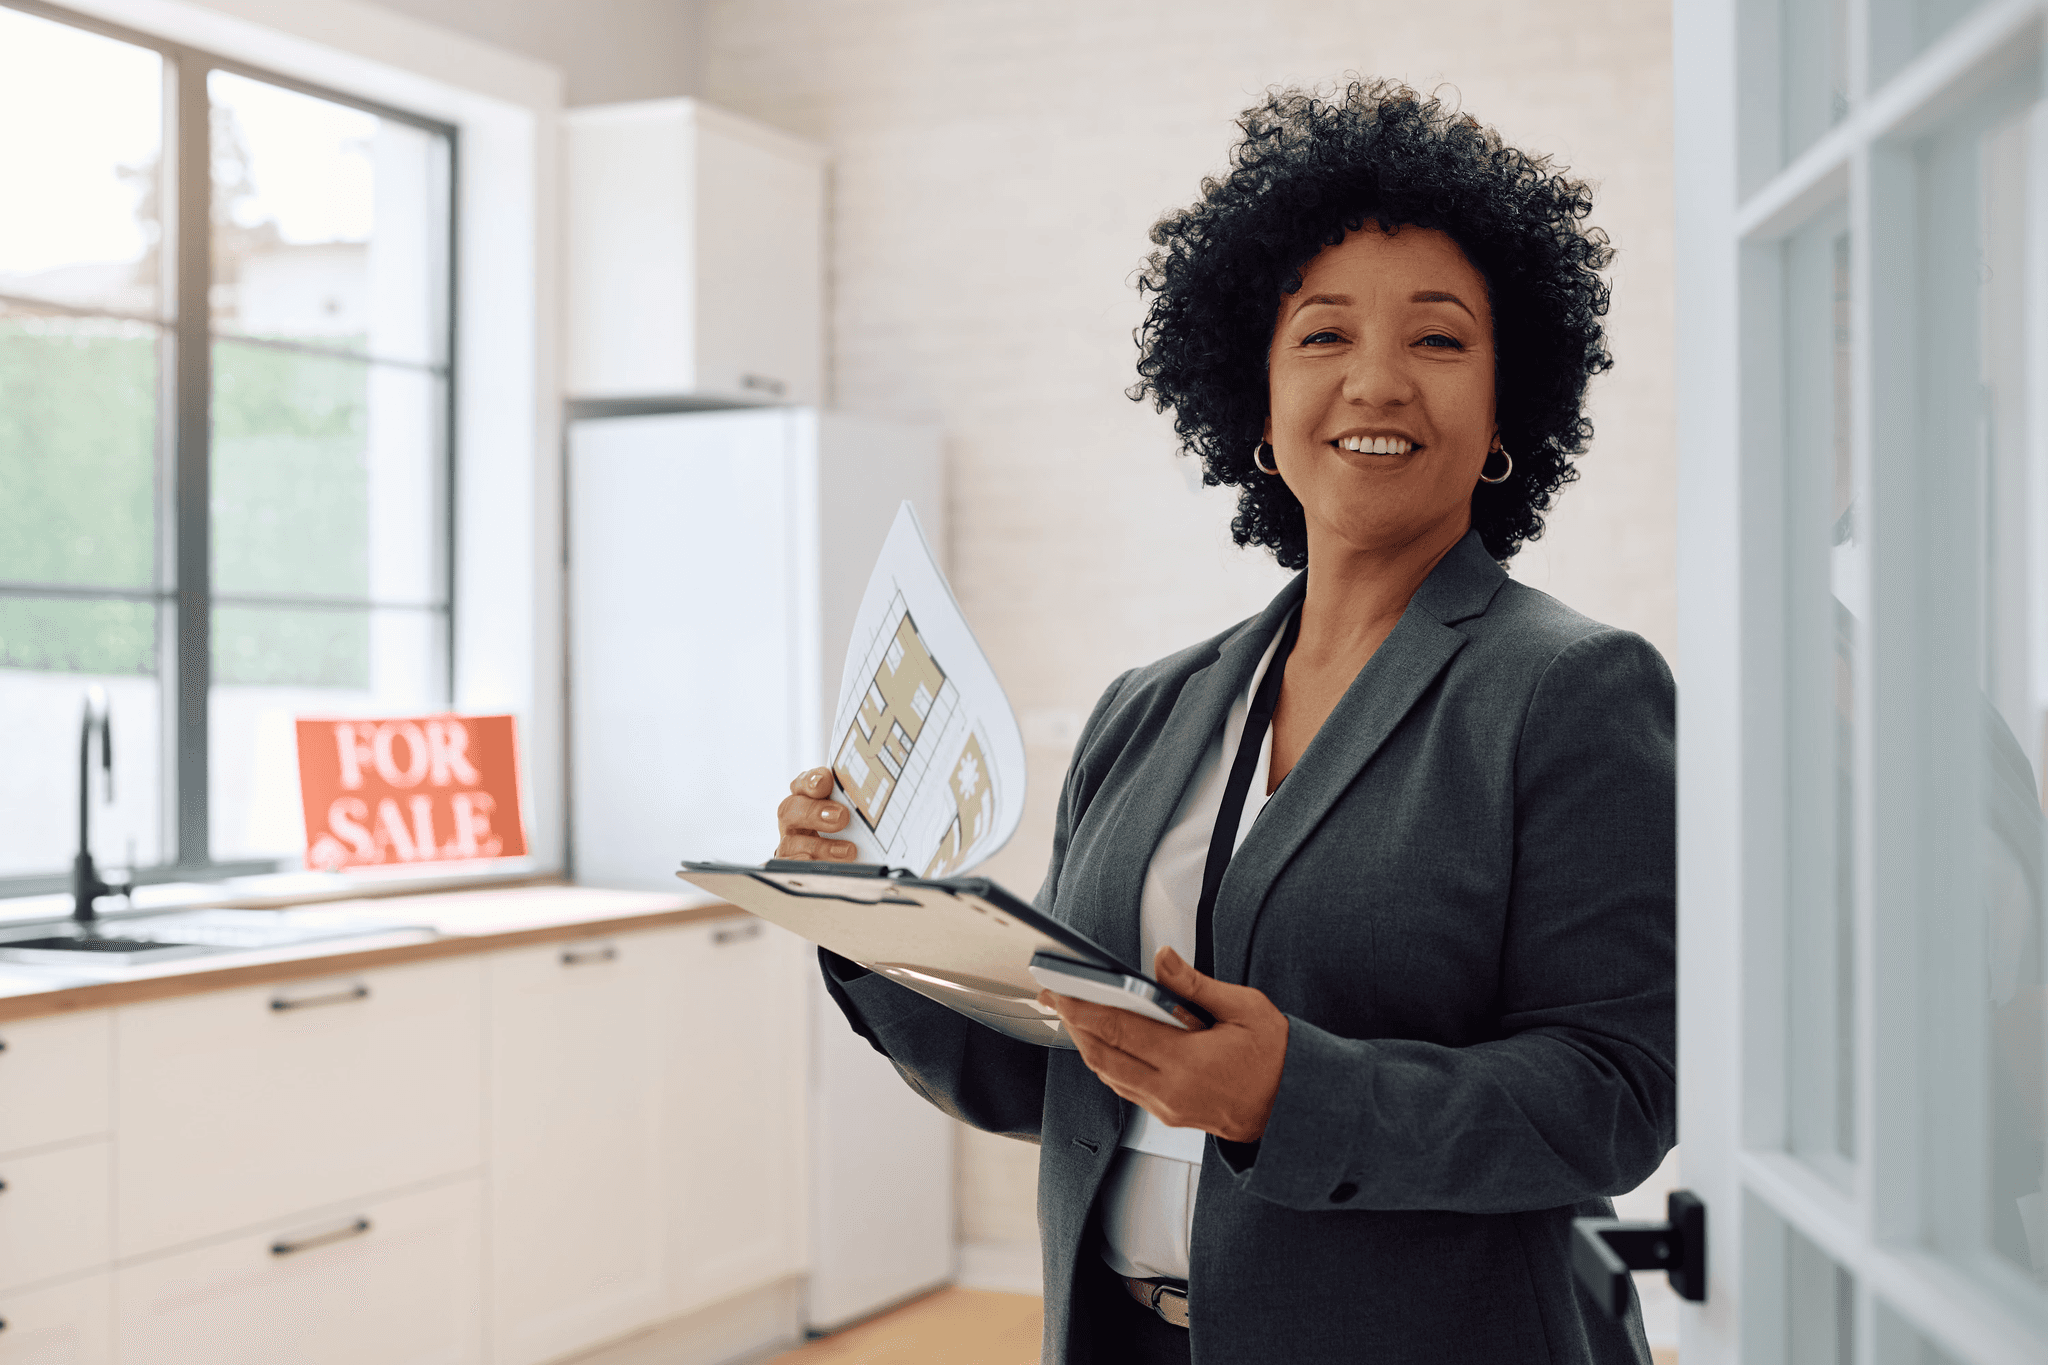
[[715, 561]]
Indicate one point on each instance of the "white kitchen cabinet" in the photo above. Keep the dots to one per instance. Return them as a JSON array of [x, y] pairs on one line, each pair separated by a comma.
[[696, 255], [647, 1127], [625, 1115], [577, 1164], [71, 1323], [395, 1281], [56, 1212], [736, 1117], [240, 1106], [56, 1079]]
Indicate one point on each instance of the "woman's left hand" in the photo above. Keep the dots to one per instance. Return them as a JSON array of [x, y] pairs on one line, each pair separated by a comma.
[[1221, 1080]]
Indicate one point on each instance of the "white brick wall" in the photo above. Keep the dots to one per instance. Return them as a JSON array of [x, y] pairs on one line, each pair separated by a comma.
[[996, 166]]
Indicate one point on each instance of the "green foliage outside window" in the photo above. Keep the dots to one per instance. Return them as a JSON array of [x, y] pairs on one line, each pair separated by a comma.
[[291, 504], [78, 497], [77, 452], [291, 514], [74, 635], [77, 492]]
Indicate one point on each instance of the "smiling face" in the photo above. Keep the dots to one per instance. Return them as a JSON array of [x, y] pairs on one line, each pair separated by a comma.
[[1380, 387]]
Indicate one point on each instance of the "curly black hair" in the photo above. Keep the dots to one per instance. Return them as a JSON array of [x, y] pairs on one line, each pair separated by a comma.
[[1312, 167]]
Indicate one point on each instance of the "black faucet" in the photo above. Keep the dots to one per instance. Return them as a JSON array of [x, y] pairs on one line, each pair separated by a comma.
[[86, 885]]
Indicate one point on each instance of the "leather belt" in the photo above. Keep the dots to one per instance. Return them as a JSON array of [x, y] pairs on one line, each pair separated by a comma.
[[1170, 1302]]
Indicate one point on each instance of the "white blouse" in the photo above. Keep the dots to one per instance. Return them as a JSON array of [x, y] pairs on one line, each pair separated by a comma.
[[1148, 1198]]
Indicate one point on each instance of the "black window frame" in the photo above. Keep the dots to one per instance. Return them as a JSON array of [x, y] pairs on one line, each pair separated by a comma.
[[183, 437]]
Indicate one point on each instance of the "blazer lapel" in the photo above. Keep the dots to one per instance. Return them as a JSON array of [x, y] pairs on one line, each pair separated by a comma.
[[1141, 803], [1386, 689]]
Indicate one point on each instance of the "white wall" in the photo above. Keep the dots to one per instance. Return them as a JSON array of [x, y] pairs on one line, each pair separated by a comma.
[[996, 167], [606, 50]]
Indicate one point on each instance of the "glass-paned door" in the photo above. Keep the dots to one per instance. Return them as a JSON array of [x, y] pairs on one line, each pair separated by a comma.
[[1864, 628]]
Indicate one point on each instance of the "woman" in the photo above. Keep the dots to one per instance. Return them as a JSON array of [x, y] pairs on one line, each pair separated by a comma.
[[1431, 901]]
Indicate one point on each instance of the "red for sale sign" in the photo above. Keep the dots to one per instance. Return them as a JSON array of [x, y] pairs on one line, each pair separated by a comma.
[[412, 790]]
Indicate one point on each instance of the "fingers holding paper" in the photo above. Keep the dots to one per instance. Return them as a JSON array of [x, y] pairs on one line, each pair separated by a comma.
[[1221, 1079], [808, 821]]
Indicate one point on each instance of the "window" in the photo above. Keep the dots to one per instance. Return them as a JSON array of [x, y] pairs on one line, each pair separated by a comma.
[[225, 434]]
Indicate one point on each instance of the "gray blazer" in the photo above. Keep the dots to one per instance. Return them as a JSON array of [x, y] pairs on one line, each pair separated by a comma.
[[1462, 897]]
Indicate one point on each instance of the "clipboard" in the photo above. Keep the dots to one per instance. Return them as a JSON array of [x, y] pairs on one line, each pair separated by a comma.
[[965, 942]]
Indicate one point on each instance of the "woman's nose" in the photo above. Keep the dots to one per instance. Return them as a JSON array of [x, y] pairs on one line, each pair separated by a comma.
[[1376, 376]]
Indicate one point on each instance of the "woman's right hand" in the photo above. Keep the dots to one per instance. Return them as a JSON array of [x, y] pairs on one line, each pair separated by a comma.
[[808, 819]]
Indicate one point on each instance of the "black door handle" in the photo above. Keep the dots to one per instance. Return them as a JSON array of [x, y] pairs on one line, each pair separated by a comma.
[[1605, 1250]]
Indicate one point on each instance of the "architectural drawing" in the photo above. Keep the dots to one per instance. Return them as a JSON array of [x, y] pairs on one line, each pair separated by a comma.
[[973, 808], [892, 714], [926, 750]]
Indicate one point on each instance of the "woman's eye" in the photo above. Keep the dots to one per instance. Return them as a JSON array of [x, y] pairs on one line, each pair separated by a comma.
[[1438, 339], [1312, 337]]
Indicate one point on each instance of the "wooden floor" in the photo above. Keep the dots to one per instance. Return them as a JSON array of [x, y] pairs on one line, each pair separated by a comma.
[[956, 1326]]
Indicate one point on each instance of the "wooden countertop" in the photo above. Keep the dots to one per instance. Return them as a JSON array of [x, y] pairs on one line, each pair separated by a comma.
[[462, 922]]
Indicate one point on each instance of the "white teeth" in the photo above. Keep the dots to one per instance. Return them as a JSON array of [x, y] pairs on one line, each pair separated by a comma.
[[1376, 445]]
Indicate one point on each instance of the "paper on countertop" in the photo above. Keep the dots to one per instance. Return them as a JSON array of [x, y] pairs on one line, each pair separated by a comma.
[[927, 753]]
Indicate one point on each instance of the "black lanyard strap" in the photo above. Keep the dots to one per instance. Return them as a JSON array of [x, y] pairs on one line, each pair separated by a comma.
[[1223, 841]]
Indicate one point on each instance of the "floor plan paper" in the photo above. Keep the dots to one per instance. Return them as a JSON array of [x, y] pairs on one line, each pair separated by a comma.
[[926, 751]]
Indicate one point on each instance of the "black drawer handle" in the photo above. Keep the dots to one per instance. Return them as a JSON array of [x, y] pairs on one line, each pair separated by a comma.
[[762, 383], [307, 1002], [737, 934], [353, 1228], [576, 957]]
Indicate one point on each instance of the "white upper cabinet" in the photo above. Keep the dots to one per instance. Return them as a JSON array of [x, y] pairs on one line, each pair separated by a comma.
[[696, 256]]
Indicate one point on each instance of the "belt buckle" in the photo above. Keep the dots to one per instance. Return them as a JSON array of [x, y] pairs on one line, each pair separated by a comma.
[[1168, 1302]]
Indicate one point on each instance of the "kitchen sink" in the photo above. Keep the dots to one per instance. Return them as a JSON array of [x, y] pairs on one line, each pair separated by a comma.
[[143, 940]]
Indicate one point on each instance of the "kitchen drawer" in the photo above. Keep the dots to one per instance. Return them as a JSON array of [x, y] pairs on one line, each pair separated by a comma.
[[56, 1079], [242, 1105], [394, 1281], [62, 1324], [56, 1213]]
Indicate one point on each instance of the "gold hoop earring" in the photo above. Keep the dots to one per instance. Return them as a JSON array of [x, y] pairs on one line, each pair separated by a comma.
[[1504, 473], [1260, 466]]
